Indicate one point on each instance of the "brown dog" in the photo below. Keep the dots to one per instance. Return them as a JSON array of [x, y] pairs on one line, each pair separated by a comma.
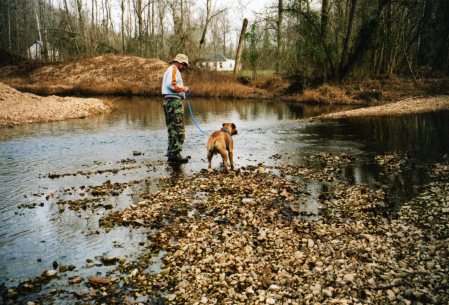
[[221, 141]]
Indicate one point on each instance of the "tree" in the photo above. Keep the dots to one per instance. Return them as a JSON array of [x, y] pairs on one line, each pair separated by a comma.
[[209, 17], [238, 56], [350, 22], [279, 35]]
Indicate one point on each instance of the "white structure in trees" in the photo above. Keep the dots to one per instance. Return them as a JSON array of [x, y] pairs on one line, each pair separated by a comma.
[[217, 62], [36, 51]]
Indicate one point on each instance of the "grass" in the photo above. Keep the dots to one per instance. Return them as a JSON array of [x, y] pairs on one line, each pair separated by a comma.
[[216, 84], [131, 75], [259, 73]]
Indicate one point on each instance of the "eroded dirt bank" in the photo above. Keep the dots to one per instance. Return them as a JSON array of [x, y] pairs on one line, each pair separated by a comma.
[[404, 107], [117, 75], [19, 108], [106, 74]]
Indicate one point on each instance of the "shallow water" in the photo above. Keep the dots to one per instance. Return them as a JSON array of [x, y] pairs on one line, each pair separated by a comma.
[[87, 151]]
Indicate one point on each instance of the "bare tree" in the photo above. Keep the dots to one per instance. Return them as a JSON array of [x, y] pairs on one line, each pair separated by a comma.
[[209, 16], [347, 39], [238, 56], [122, 31], [279, 35]]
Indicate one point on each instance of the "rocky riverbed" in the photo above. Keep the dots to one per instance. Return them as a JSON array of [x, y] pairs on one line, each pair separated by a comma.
[[241, 239]]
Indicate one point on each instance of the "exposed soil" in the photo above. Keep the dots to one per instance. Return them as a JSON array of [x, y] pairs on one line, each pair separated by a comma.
[[116, 75], [19, 108], [107, 74], [407, 106]]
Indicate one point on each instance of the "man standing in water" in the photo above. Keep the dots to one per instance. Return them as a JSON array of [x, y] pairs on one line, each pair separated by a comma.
[[173, 91]]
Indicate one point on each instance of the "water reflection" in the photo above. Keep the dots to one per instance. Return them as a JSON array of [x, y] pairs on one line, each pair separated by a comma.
[[423, 135]]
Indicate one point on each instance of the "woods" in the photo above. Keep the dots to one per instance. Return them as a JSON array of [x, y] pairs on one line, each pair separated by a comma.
[[315, 41]]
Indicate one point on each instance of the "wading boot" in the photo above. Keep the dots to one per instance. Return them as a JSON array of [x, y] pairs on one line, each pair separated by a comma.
[[177, 159]]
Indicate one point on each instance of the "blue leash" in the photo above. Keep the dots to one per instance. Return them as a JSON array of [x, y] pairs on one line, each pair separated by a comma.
[[193, 118]]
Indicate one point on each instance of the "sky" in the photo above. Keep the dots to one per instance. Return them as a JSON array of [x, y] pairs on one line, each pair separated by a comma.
[[239, 9], [246, 8]]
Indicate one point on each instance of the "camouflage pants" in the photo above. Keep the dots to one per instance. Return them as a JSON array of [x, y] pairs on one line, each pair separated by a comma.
[[174, 119]]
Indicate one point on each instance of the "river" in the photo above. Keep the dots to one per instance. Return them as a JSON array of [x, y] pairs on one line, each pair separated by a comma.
[[43, 165]]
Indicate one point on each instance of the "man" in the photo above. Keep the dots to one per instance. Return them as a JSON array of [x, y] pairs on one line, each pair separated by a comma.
[[173, 91]]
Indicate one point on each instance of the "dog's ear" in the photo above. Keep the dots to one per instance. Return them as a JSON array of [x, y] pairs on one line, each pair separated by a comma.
[[234, 129]]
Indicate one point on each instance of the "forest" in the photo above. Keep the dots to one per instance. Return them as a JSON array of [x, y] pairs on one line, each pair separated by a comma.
[[316, 41]]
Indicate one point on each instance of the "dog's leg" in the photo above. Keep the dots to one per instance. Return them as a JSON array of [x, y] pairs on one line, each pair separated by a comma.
[[225, 160], [209, 160], [231, 159]]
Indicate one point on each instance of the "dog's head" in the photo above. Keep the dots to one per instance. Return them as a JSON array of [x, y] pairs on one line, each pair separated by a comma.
[[231, 127]]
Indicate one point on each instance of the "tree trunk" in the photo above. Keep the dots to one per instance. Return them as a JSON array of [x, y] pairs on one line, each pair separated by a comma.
[[79, 7], [209, 17], [92, 25], [44, 34], [279, 36], [324, 19], [122, 7], [344, 53], [161, 8], [206, 24], [440, 57], [238, 56], [364, 40], [138, 12], [66, 7]]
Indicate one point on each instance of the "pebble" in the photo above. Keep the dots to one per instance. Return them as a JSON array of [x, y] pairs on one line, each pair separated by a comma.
[[51, 273], [96, 280], [349, 277], [391, 295], [109, 259], [249, 290], [310, 243], [270, 300], [327, 292]]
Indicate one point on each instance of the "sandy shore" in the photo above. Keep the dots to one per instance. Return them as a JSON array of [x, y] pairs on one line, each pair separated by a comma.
[[19, 108], [404, 107]]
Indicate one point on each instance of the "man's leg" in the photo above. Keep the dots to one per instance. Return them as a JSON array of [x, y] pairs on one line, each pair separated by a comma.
[[179, 132], [168, 110], [174, 113]]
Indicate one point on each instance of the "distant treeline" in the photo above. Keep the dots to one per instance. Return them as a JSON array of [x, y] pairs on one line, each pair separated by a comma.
[[314, 41]]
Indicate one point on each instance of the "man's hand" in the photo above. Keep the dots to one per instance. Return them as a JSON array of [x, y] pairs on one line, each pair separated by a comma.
[[187, 91]]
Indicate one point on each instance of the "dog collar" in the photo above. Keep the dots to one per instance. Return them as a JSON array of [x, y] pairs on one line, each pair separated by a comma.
[[229, 136], [226, 130]]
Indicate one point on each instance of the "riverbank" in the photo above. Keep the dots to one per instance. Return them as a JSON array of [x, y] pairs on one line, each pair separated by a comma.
[[117, 75], [404, 107], [114, 74], [131, 75], [20, 108]]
